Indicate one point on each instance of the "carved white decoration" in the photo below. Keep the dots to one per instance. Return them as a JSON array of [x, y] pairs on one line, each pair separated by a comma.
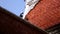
[[29, 5]]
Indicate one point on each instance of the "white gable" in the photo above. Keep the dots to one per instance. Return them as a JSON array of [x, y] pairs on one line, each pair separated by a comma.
[[29, 5]]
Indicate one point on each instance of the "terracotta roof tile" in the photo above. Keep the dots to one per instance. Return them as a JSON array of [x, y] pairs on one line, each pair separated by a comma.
[[45, 14]]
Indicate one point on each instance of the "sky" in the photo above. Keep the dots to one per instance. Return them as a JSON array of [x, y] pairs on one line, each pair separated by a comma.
[[14, 6]]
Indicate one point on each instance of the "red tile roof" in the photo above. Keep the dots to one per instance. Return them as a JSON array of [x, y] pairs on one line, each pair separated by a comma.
[[45, 14]]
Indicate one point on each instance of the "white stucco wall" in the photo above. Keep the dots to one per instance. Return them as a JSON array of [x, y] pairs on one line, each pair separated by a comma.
[[29, 5]]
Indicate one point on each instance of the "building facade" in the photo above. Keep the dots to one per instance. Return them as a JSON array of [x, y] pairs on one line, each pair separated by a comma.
[[12, 24]]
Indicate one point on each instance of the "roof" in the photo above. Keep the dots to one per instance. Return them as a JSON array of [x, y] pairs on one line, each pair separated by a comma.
[[45, 14], [12, 24]]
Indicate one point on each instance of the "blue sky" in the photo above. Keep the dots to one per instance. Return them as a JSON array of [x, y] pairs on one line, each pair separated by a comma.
[[14, 6]]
